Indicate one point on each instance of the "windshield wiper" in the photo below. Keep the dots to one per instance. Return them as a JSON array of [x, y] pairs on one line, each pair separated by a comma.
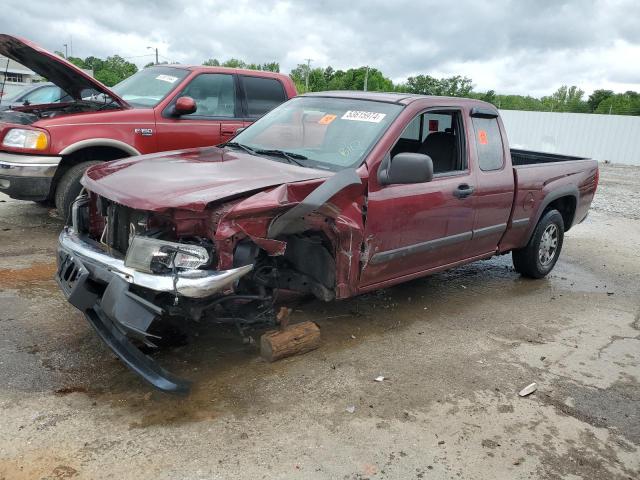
[[240, 145], [291, 157]]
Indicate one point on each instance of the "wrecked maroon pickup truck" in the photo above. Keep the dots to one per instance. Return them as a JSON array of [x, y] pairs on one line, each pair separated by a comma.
[[330, 194]]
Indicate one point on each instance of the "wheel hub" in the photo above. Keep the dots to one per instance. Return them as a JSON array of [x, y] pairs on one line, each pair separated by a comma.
[[548, 245]]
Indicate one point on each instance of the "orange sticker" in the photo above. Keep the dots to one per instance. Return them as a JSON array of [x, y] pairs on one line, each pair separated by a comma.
[[482, 136], [327, 119]]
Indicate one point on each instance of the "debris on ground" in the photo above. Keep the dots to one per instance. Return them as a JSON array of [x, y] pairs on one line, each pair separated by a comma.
[[351, 408], [528, 390], [379, 379], [291, 340]]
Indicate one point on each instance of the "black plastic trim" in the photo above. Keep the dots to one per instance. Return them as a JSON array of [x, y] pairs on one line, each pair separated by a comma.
[[292, 220], [486, 231], [482, 112], [519, 223], [382, 257], [132, 357]]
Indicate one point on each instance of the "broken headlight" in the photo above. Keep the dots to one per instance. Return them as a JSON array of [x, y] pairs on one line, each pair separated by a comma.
[[159, 256]]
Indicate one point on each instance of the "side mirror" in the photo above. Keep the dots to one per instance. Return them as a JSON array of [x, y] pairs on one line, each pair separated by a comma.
[[185, 106], [406, 167]]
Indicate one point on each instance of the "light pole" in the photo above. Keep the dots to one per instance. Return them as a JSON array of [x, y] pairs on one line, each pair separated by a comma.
[[306, 80], [66, 52], [156, 49], [366, 78]]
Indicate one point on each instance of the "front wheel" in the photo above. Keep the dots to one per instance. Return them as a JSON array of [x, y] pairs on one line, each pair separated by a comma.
[[69, 187], [540, 255]]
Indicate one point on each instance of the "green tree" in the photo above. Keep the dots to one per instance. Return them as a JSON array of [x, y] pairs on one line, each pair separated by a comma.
[[627, 103], [566, 99], [598, 96], [234, 63], [113, 70], [456, 86], [212, 62]]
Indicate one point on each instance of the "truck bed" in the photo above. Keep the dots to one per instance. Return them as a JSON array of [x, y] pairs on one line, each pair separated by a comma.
[[529, 157]]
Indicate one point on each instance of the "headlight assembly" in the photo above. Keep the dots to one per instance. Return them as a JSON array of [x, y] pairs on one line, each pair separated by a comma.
[[159, 256], [23, 138]]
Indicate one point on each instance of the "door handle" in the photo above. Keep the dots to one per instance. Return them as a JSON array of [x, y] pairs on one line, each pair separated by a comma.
[[228, 132], [463, 190]]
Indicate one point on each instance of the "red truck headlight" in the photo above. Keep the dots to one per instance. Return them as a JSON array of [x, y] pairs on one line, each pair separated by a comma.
[[28, 139]]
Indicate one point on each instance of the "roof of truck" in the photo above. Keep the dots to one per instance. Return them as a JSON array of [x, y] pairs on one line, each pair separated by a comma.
[[207, 69], [399, 98]]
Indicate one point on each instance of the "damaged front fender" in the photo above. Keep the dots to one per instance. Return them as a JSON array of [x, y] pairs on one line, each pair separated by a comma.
[[292, 221]]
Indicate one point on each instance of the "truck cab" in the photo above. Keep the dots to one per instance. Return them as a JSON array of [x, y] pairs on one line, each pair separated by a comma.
[[45, 148]]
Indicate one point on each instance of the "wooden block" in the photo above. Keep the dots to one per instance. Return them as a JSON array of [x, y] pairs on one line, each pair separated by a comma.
[[292, 340]]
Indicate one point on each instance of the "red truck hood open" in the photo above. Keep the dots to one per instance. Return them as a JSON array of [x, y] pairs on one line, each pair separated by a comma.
[[57, 70], [190, 179]]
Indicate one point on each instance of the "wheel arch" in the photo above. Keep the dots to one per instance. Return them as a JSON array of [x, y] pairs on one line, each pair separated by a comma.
[[565, 200], [104, 149]]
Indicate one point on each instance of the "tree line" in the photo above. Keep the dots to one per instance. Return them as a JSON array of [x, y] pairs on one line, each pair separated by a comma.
[[114, 69]]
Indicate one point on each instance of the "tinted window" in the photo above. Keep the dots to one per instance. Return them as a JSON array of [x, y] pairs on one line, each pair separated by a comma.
[[412, 131], [488, 143], [263, 94], [214, 93]]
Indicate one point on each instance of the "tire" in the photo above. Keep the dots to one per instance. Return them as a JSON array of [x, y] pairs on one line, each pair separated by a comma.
[[69, 187], [540, 255]]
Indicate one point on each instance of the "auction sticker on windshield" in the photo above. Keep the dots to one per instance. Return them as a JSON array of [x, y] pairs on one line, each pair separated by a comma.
[[167, 78], [360, 116]]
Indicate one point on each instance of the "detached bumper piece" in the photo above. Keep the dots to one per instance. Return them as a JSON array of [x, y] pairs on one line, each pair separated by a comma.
[[133, 358], [99, 286]]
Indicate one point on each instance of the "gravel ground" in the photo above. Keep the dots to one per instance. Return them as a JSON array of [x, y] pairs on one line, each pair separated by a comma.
[[454, 348]]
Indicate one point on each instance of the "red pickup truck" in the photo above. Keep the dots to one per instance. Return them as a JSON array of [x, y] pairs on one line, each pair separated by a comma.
[[45, 148], [330, 194]]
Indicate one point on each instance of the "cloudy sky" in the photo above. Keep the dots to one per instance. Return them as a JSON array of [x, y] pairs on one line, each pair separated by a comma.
[[526, 47]]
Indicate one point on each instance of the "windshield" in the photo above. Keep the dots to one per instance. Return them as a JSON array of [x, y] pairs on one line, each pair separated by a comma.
[[328, 133], [149, 86]]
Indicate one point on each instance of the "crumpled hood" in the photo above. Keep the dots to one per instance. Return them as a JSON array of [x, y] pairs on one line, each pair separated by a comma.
[[190, 179], [57, 70]]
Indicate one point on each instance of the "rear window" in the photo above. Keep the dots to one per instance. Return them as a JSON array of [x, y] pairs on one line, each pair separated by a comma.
[[263, 95], [488, 143]]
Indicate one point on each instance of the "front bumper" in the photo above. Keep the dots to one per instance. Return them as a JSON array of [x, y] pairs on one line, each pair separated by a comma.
[[27, 177], [99, 286], [102, 267]]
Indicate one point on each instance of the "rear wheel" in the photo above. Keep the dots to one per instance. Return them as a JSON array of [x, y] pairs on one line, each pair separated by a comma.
[[69, 187], [539, 257]]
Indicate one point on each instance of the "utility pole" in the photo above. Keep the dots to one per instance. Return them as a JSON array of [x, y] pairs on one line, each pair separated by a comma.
[[366, 78], [66, 51], [156, 49], [306, 80]]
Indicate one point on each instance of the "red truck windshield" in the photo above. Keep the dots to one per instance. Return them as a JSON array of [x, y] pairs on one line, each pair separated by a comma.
[[149, 86], [332, 133]]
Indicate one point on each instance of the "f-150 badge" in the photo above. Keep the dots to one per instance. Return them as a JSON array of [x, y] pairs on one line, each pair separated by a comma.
[[145, 132]]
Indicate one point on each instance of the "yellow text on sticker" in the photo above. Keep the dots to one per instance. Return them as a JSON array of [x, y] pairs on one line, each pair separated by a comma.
[[327, 119]]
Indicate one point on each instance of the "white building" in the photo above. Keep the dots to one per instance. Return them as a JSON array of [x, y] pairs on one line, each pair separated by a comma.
[[14, 76]]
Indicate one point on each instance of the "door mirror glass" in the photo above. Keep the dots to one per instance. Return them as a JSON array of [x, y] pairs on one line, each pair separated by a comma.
[[406, 167], [185, 106]]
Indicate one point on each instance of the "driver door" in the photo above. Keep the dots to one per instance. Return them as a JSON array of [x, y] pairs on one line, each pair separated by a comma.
[[215, 120], [414, 228]]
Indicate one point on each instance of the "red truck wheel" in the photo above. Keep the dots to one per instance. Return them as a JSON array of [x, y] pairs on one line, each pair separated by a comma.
[[540, 255], [69, 187]]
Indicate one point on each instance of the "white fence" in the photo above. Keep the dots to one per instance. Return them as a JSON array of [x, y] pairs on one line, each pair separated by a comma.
[[615, 138]]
